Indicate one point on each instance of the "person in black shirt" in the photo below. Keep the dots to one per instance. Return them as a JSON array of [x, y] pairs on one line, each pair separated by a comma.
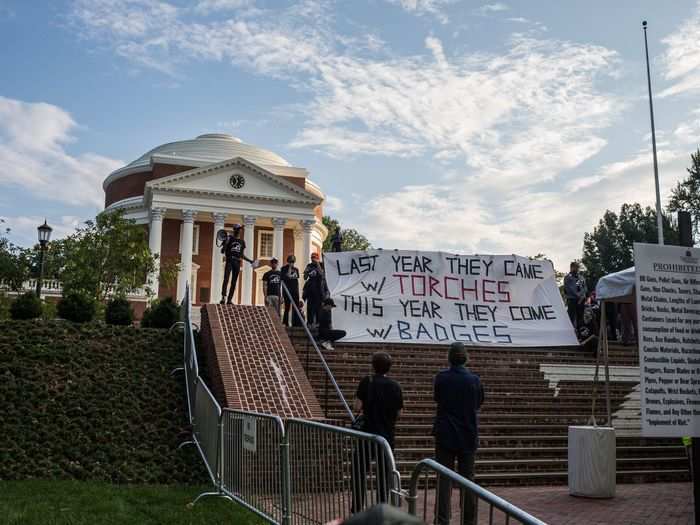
[[232, 249], [381, 401], [271, 286], [290, 278], [314, 289], [326, 335], [459, 396]]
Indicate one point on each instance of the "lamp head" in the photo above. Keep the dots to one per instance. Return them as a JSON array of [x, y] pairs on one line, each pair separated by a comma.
[[44, 232]]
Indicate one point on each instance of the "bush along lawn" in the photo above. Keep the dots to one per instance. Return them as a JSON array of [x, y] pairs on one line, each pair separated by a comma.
[[93, 402], [88, 503]]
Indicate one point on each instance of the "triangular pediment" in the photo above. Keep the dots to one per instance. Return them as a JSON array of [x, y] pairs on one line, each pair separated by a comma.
[[236, 177]]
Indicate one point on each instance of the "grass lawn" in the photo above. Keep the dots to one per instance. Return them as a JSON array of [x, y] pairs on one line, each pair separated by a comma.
[[84, 502]]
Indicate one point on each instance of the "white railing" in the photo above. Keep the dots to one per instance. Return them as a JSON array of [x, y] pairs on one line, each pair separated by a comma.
[[54, 288]]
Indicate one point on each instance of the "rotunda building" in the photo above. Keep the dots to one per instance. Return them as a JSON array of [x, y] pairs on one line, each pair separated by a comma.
[[186, 191]]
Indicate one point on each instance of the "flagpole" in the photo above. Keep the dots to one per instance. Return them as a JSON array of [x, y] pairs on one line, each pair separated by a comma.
[[659, 218]]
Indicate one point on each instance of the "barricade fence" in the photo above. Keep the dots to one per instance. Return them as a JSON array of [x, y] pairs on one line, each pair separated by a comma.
[[307, 472]]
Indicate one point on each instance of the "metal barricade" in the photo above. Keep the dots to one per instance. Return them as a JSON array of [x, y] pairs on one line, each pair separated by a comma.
[[254, 463], [206, 431], [335, 471], [434, 477]]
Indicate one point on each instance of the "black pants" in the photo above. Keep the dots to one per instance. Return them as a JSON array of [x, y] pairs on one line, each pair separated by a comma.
[[465, 468], [362, 456], [233, 267], [313, 307], [331, 335], [288, 308], [575, 310], [611, 318]]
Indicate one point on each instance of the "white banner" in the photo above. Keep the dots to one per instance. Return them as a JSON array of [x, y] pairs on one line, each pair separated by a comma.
[[435, 297], [668, 314]]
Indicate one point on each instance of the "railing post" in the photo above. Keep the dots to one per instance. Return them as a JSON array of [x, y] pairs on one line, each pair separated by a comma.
[[286, 480], [220, 453]]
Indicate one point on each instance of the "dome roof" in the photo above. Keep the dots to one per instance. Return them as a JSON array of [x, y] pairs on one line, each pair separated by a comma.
[[210, 148]]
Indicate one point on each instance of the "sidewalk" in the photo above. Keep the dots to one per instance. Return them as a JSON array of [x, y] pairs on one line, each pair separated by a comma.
[[645, 504]]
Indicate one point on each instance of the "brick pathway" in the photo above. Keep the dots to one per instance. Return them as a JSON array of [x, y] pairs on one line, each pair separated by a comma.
[[644, 504]]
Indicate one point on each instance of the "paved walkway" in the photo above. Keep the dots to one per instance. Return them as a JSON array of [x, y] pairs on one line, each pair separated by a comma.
[[647, 504]]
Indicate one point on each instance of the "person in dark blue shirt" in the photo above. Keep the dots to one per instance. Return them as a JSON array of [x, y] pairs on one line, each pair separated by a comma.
[[459, 395]]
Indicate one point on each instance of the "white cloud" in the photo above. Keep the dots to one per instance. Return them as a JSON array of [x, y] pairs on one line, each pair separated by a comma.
[[23, 227], [688, 132], [493, 8], [32, 155], [333, 204], [423, 7], [682, 57], [209, 6]]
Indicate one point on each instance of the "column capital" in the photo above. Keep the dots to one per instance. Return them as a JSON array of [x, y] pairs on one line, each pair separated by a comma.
[[279, 222], [308, 224], [157, 214], [219, 218], [298, 234], [249, 220], [189, 215]]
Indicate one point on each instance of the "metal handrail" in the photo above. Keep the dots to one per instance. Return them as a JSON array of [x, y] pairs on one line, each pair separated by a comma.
[[507, 508], [329, 374]]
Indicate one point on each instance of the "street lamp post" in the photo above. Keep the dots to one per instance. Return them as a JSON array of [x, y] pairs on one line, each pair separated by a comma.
[[44, 232], [659, 218]]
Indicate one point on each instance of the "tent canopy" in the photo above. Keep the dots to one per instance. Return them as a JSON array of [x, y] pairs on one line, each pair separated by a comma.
[[617, 287]]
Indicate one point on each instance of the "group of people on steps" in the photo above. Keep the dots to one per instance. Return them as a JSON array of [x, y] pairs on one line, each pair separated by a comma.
[[319, 304]]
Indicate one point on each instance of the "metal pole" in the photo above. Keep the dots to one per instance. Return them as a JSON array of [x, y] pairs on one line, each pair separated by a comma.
[[659, 219], [41, 270]]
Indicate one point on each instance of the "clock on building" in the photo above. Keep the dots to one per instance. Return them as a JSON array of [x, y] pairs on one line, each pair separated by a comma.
[[237, 181]]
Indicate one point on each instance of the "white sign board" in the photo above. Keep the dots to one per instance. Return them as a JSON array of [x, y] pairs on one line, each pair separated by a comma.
[[250, 434], [668, 314], [397, 296]]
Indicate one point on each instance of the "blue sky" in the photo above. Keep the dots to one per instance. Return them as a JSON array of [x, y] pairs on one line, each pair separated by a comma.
[[479, 127]]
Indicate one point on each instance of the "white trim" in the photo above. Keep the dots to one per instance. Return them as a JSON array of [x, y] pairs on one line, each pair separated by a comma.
[[258, 275], [129, 202], [195, 240], [259, 243]]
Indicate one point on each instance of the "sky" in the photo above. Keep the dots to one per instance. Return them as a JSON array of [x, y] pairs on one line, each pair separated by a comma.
[[456, 125]]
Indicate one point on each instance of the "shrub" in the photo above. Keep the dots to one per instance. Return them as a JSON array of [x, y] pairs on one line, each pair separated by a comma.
[[26, 306], [77, 308], [119, 312], [5, 303], [48, 310], [161, 314]]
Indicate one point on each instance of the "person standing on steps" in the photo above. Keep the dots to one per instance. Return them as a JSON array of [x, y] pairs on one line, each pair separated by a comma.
[[575, 292], [314, 289], [380, 400], [459, 395], [233, 249], [290, 278], [271, 286]]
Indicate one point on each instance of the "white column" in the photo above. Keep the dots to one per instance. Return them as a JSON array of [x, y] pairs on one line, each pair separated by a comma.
[[278, 238], [298, 248], [307, 225], [186, 253], [155, 235], [217, 260], [247, 270]]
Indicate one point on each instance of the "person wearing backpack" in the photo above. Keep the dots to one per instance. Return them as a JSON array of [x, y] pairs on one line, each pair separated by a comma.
[[380, 400]]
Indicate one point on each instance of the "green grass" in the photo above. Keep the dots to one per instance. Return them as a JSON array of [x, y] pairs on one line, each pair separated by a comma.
[[81, 502]]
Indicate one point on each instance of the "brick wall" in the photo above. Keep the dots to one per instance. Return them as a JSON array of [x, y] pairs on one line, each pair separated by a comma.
[[252, 363]]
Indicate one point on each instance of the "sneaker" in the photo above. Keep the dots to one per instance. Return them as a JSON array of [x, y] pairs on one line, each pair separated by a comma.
[[327, 345]]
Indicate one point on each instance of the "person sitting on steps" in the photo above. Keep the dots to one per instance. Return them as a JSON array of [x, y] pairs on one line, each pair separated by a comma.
[[326, 334]]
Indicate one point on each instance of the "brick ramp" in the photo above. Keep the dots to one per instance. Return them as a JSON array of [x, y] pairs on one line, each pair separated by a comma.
[[252, 362], [532, 396]]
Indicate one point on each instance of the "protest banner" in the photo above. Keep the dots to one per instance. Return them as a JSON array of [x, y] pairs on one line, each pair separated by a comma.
[[401, 296]]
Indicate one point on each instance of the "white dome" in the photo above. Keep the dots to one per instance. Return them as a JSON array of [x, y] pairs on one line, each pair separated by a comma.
[[211, 148]]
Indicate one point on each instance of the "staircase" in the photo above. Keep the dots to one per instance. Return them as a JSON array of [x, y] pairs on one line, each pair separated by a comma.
[[532, 396]]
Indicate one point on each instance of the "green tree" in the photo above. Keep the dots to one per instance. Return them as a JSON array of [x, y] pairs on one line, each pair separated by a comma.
[[352, 239], [610, 247], [110, 254], [686, 195], [15, 266]]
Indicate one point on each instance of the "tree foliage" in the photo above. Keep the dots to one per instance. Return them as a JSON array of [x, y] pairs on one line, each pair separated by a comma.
[[14, 262], [108, 255], [351, 238], [686, 195], [610, 247]]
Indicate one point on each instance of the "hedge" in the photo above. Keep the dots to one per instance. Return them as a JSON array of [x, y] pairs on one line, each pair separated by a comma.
[[93, 402]]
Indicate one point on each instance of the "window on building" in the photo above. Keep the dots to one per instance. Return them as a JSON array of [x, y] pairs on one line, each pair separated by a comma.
[[264, 245], [195, 240]]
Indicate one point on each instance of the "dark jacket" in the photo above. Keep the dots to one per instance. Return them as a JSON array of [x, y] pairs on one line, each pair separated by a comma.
[[459, 395]]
